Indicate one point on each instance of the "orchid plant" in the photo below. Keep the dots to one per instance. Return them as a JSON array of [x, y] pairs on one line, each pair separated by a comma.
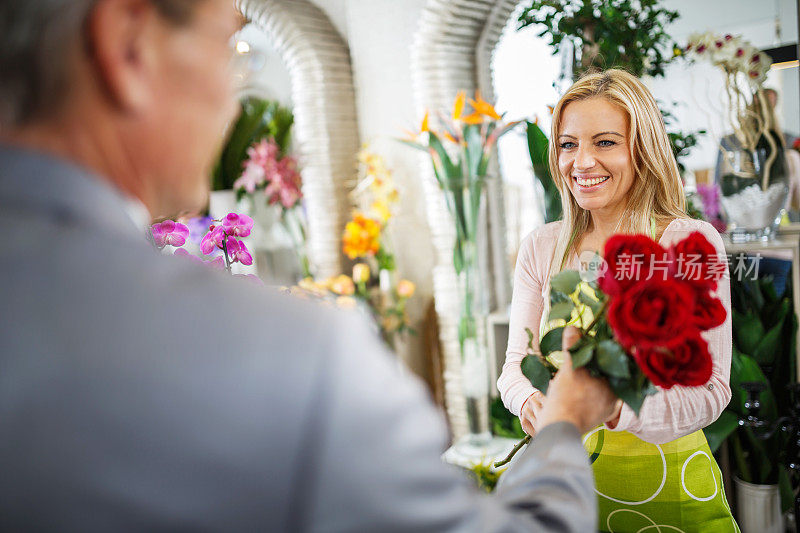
[[277, 175], [221, 245], [745, 68]]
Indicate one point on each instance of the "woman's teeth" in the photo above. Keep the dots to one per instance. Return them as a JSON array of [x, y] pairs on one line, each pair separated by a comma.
[[588, 182]]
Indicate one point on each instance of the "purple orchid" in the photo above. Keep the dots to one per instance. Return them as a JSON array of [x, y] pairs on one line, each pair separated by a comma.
[[709, 196], [170, 233], [198, 226], [237, 225], [238, 252], [213, 239]]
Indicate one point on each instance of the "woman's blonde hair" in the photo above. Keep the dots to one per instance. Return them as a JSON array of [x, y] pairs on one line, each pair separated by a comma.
[[657, 190]]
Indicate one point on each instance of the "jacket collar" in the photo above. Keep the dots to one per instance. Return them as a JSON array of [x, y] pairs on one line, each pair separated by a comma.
[[51, 186]]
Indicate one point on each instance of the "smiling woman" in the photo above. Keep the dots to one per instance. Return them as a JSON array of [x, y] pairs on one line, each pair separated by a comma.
[[611, 161]]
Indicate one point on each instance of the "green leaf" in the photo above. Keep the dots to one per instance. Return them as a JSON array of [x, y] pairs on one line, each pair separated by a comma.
[[785, 489], [538, 148], [551, 342], [561, 311], [536, 372], [721, 429], [768, 348], [566, 281], [747, 331], [583, 354], [612, 359]]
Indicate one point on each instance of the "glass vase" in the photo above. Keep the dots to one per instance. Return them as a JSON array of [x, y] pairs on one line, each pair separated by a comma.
[[754, 192], [467, 205]]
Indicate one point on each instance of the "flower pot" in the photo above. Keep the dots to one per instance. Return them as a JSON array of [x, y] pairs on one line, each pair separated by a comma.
[[755, 193], [758, 507]]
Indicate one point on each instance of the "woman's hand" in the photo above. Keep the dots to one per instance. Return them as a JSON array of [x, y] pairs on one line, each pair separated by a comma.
[[530, 410]]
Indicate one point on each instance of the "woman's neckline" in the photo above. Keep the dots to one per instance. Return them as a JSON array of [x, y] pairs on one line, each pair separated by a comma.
[[576, 254]]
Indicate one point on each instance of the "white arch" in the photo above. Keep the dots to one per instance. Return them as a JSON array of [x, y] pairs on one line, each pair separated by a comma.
[[326, 128]]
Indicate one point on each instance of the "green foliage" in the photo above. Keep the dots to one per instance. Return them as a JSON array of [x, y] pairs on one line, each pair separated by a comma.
[[538, 149], [257, 120], [764, 333], [486, 476], [606, 33], [505, 424]]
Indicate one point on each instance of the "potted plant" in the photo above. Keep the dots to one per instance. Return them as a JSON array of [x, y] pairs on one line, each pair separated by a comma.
[[764, 332]]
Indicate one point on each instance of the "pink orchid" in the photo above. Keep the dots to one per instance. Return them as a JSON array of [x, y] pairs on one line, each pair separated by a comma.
[[238, 252], [252, 278], [284, 183], [251, 178], [181, 252], [237, 225], [218, 263], [213, 239], [170, 233]]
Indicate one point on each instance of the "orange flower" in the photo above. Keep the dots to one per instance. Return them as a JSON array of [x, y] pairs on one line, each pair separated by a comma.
[[405, 288], [483, 107], [342, 285], [473, 118], [458, 106], [361, 236], [424, 126]]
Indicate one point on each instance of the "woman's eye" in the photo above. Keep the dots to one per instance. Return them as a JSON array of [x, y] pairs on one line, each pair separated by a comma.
[[567, 145], [606, 142]]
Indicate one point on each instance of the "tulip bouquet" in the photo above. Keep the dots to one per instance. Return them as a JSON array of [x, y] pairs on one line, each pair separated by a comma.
[[221, 246], [640, 320]]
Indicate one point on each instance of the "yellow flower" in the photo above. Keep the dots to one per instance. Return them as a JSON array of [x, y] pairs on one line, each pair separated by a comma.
[[424, 126], [312, 286], [483, 107], [361, 236], [381, 210], [405, 288], [342, 285], [361, 273], [458, 106]]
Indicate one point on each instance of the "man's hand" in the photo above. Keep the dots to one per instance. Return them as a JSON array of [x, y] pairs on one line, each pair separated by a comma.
[[575, 396]]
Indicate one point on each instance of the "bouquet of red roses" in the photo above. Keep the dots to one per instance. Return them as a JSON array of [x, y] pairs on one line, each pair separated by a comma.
[[648, 306]]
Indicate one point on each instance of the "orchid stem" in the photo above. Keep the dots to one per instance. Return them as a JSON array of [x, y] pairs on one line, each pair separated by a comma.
[[225, 251], [513, 452]]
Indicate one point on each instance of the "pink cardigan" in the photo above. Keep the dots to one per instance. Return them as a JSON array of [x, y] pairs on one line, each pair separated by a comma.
[[665, 416]]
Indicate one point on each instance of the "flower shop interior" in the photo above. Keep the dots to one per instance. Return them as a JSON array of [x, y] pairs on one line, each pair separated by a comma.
[[349, 210], [390, 156]]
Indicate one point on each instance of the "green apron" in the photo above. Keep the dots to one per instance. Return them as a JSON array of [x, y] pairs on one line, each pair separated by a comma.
[[650, 488]]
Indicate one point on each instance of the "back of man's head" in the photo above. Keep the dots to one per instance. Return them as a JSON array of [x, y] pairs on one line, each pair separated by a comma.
[[139, 91]]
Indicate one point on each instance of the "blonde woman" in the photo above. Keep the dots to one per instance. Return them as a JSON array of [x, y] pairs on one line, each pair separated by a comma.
[[611, 160]]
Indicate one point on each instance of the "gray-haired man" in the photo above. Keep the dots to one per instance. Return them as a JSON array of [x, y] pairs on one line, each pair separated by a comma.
[[139, 392]]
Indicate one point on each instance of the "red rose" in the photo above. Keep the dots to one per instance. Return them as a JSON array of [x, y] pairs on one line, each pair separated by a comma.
[[652, 312], [697, 261], [685, 361], [708, 311], [631, 259]]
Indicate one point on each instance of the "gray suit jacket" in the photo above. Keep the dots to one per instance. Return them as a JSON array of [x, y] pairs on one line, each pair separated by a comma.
[[144, 392]]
